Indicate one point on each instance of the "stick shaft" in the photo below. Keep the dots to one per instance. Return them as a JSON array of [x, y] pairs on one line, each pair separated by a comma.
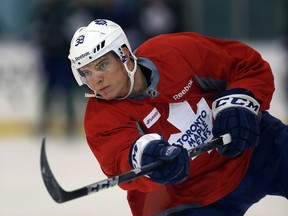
[[60, 195]]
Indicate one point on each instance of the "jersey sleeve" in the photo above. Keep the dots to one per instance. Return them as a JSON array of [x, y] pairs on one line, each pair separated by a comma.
[[216, 64], [241, 66]]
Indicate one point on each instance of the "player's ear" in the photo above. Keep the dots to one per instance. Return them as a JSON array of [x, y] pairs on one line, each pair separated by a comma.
[[126, 52], [129, 58]]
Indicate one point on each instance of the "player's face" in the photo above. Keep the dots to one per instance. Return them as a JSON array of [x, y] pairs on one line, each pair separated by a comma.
[[107, 76]]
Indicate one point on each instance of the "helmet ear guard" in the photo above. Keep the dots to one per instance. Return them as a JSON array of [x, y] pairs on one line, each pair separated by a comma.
[[98, 38]]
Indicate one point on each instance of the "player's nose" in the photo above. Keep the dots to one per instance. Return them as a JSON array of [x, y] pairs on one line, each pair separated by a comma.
[[95, 79]]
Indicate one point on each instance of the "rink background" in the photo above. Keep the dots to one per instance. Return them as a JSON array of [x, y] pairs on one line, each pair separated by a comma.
[[22, 191]]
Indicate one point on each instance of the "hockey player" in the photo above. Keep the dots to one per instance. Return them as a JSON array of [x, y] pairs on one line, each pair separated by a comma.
[[175, 92]]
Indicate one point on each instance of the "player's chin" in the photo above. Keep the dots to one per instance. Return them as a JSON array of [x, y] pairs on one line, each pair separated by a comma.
[[109, 96]]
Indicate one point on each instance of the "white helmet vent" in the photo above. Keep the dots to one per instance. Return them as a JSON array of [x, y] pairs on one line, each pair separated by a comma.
[[99, 46]]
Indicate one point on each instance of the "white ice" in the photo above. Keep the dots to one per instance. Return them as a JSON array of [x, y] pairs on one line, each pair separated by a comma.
[[22, 191]]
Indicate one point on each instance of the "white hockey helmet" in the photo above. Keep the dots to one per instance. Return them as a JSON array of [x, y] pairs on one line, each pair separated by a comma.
[[95, 40]]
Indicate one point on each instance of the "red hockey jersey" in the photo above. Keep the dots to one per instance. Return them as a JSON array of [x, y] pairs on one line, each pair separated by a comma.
[[187, 71]]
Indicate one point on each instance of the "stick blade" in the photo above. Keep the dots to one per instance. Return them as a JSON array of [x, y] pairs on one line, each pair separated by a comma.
[[52, 186]]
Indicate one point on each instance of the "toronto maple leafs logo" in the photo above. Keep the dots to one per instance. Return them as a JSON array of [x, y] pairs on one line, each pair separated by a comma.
[[100, 22], [195, 128]]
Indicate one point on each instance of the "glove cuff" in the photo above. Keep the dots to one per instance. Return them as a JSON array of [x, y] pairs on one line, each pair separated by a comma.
[[138, 148], [235, 100]]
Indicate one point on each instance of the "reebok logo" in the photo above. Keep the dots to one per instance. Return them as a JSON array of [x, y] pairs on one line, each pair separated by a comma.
[[184, 91], [77, 58]]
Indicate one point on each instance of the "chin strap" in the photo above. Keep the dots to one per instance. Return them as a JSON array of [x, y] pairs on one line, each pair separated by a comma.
[[90, 95], [131, 75]]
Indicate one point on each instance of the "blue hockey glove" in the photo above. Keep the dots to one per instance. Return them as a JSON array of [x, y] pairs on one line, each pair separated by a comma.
[[150, 148], [236, 112]]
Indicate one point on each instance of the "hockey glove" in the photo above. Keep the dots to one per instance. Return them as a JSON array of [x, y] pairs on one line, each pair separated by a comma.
[[235, 111], [150, 148]]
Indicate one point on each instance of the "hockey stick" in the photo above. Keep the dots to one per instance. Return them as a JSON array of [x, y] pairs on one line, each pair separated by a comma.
[[60, 195]]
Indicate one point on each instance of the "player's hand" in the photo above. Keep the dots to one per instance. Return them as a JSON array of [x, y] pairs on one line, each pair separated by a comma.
[[150, 148], [236, 112]]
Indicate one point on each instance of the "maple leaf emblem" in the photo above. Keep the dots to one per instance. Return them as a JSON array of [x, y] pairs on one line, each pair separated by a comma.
[[195, 128]]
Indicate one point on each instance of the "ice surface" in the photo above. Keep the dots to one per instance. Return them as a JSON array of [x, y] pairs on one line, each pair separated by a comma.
[[22, 191]]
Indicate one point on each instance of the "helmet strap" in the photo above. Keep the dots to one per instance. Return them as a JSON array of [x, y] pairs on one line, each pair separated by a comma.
[[131, 75]]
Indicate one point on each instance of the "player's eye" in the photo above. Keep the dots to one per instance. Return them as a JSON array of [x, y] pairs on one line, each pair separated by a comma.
[[84, 73], [103, 66]]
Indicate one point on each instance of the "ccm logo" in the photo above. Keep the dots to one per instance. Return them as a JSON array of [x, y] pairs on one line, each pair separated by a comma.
[[237, 100]]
